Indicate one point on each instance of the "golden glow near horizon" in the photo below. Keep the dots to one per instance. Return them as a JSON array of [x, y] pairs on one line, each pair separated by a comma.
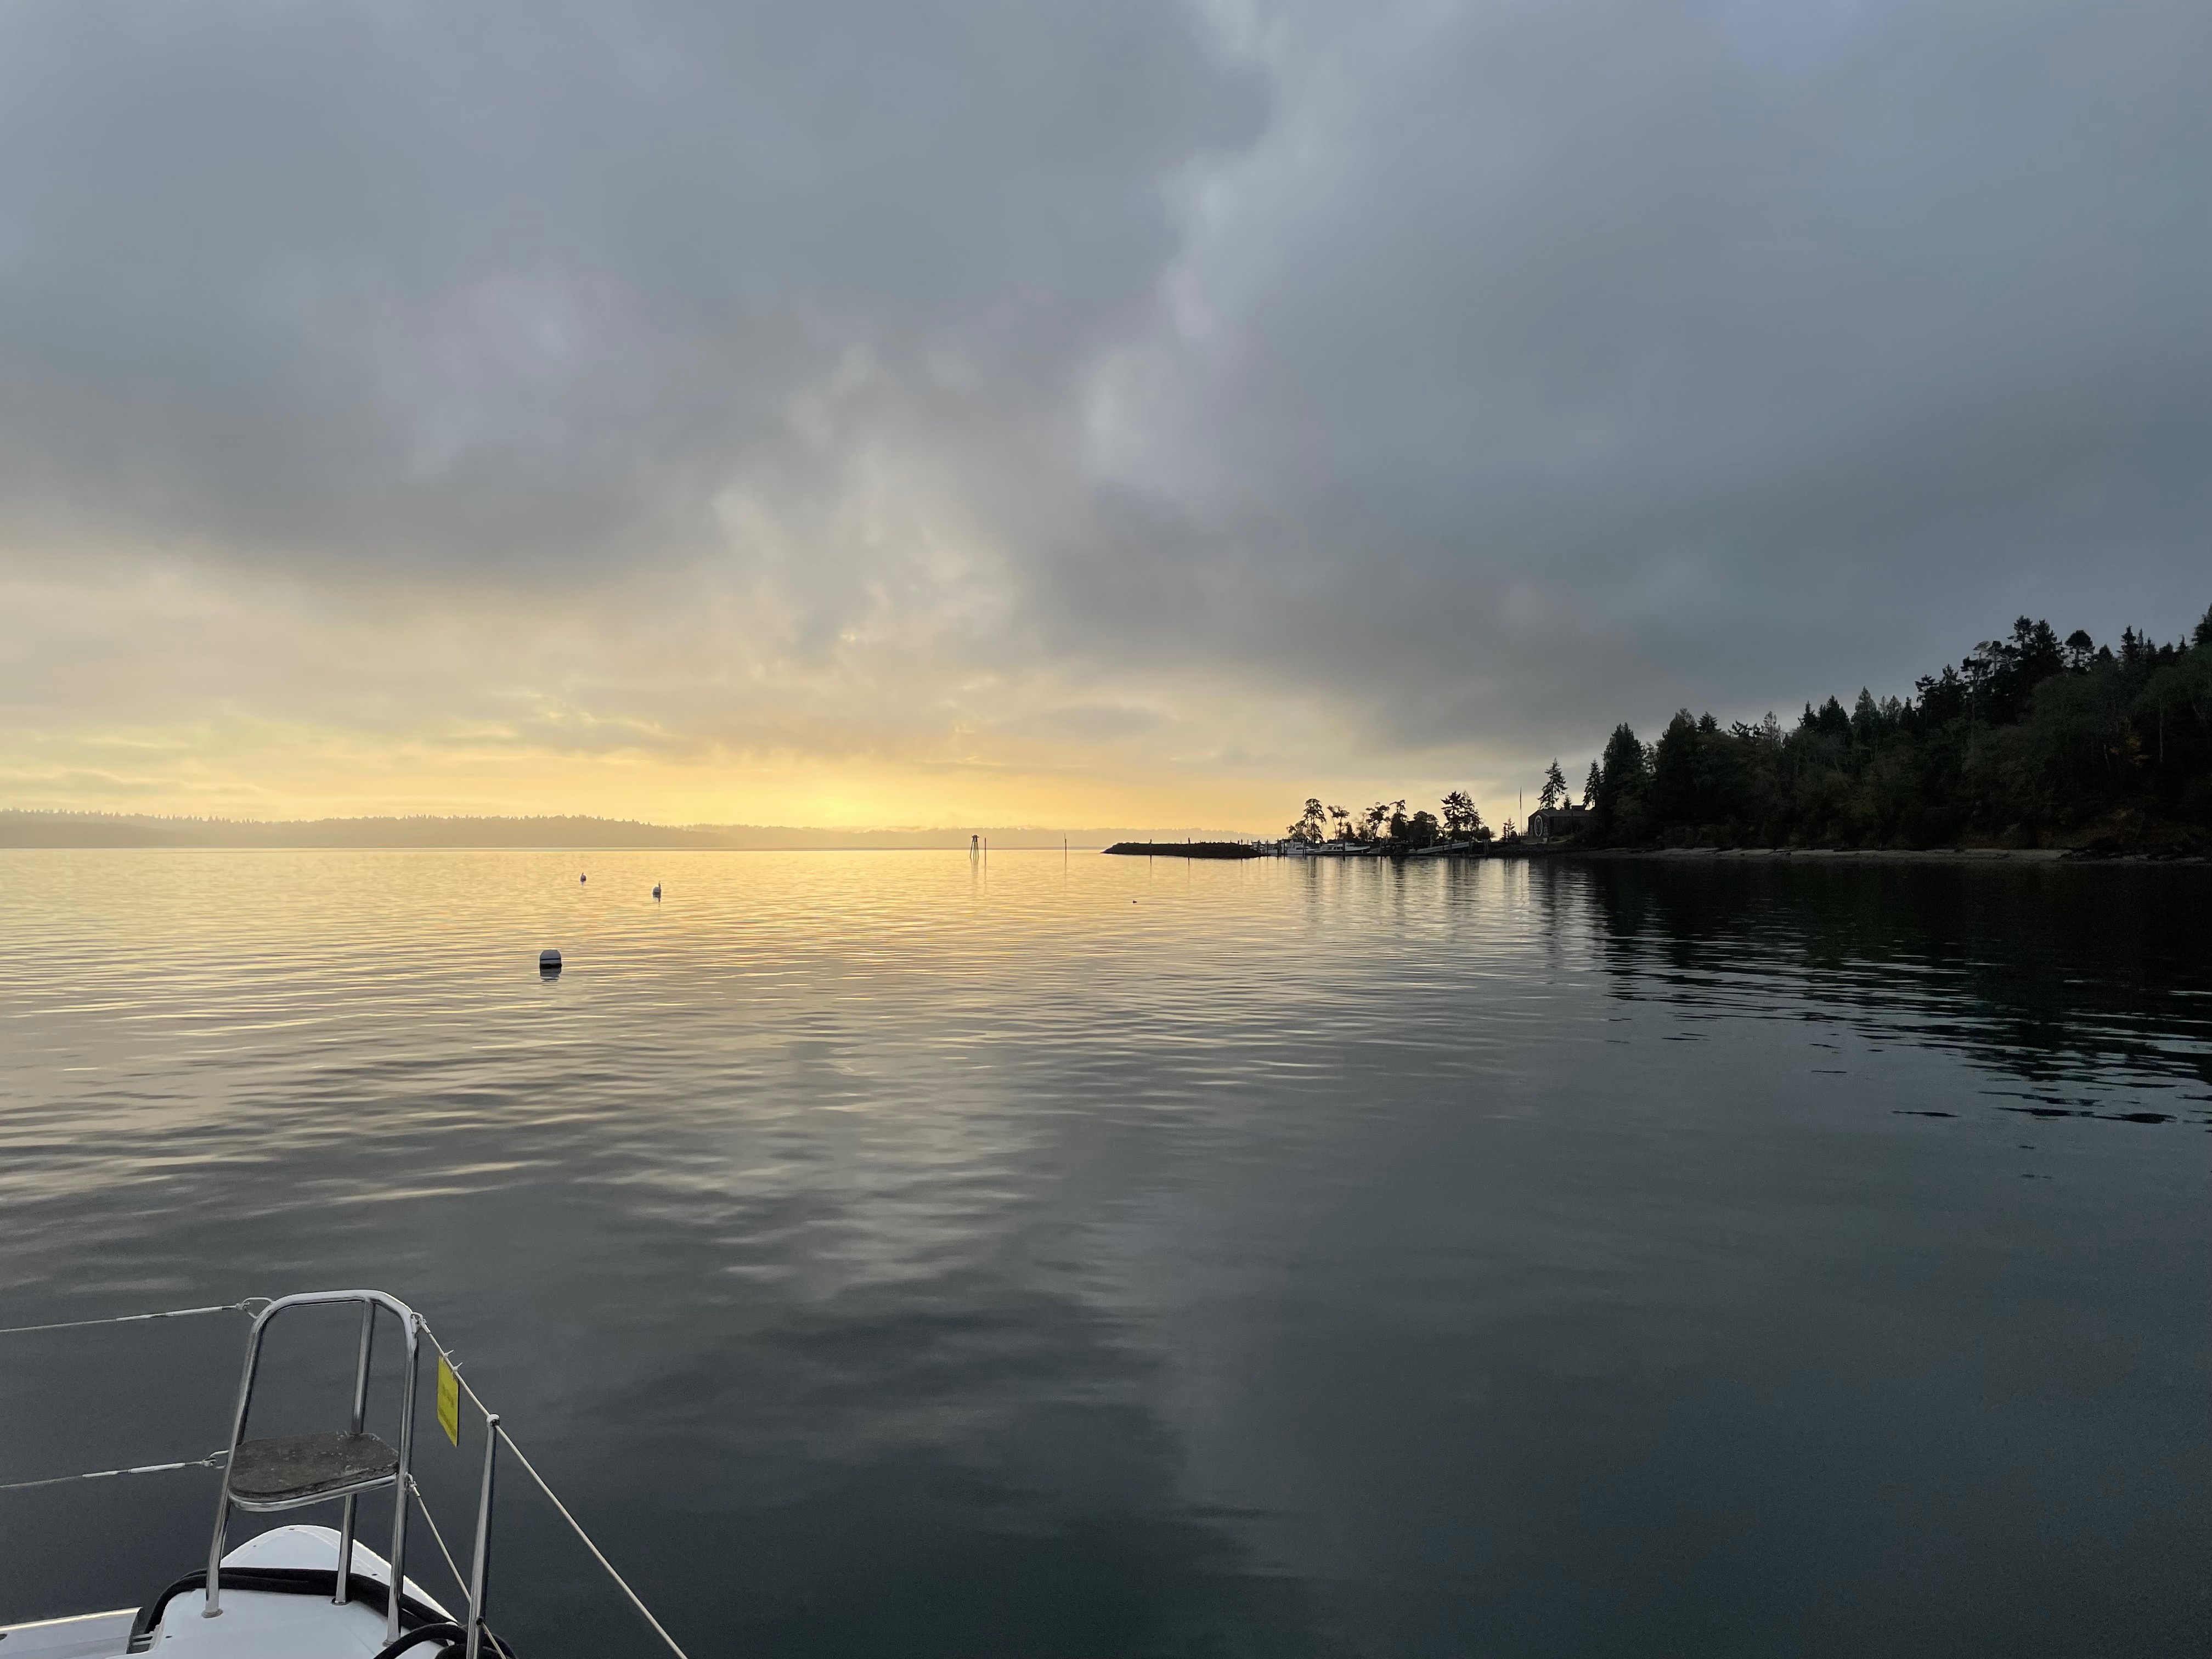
[[175, 688], [303, 771]]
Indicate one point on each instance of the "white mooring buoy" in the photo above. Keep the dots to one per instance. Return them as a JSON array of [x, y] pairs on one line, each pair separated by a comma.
[[550, 959]]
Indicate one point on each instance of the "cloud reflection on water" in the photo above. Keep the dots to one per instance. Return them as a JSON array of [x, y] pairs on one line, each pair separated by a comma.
[[1301, 1257]]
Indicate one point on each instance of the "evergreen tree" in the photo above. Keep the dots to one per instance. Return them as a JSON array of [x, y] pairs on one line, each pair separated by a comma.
[[2026, 737], [1674, 793]]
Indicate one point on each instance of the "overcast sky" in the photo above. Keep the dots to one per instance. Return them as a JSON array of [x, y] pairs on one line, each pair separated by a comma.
[[1102, 413]]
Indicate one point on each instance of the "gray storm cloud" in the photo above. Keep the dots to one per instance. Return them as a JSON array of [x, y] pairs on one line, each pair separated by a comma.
[[1490, 372]]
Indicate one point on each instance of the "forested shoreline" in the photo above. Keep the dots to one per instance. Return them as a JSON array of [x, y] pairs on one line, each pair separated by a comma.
[[2030, 740]]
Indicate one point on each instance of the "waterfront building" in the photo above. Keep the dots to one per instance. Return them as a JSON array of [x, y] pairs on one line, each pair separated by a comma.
[[1557, 822]]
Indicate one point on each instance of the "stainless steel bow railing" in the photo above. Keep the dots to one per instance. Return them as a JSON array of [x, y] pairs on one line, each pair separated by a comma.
[[415, 1328], [348, 1483]]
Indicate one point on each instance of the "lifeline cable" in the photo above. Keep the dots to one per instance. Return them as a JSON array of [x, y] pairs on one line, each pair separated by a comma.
[[239, 1306], [574, 1525], [621, 1583], [451, 1566], [212, 1460]]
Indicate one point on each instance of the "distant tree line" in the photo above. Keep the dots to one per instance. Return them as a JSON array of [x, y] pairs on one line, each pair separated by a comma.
[[2026, 739], [1387, 822]]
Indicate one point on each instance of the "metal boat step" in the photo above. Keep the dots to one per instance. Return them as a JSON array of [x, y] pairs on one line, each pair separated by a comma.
[[299, 1468]]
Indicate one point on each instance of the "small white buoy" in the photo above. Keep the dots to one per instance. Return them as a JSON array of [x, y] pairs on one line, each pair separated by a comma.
[[550, 959], [656, 890]]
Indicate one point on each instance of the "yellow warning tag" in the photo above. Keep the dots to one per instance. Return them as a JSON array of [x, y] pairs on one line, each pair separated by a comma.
[[449, 1401]]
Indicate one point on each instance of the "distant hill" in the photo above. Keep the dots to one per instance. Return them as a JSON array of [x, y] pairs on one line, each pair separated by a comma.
[[31, 829]]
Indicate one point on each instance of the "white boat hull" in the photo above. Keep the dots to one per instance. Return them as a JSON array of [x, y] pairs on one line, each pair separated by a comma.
[[254, 1624]]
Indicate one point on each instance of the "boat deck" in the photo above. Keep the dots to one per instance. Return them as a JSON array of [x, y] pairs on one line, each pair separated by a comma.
[[254, 1624]]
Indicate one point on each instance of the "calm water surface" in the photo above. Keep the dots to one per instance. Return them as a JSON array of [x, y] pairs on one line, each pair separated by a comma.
[[889, 1254]]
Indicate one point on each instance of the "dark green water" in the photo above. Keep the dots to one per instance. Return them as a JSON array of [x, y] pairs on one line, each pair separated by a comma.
[[887, 1255]]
